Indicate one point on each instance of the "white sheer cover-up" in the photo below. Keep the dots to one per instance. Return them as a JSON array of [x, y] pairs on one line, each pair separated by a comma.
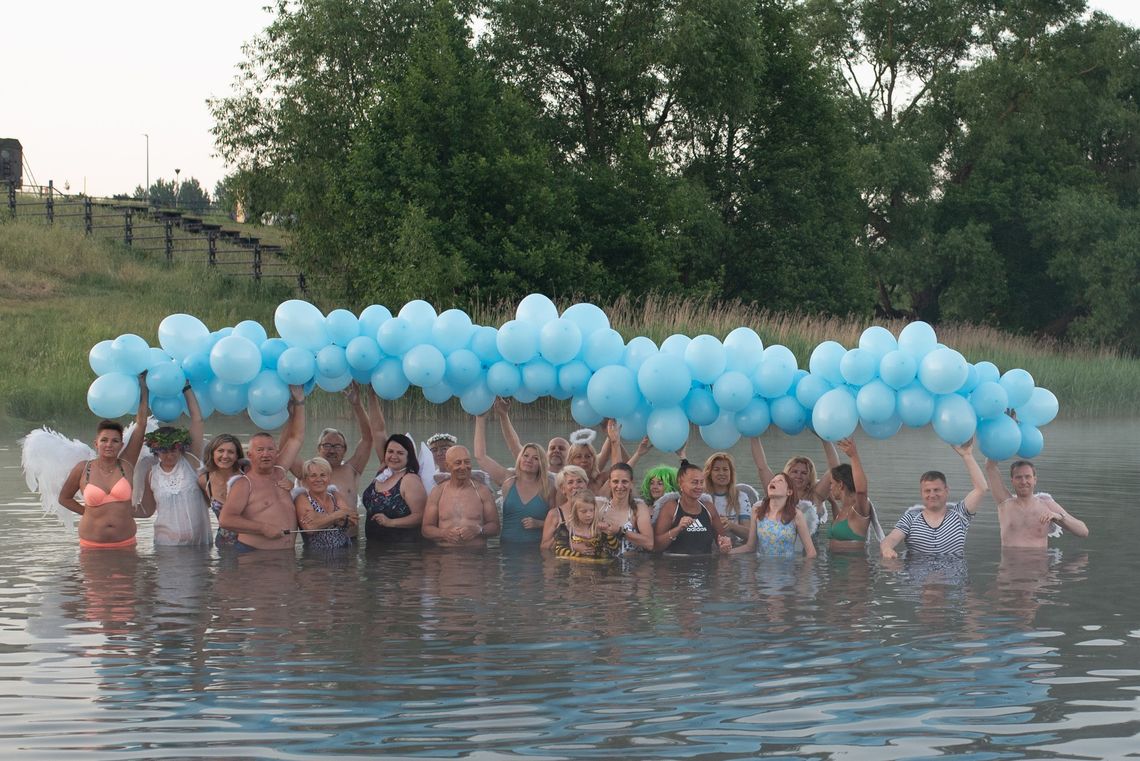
[[182, 516]]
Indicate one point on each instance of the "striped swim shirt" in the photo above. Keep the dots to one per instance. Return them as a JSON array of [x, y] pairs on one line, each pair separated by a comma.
[[948, 539]]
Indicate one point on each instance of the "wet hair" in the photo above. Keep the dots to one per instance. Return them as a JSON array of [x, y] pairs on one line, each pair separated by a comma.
[[109, 425], [543, 468], [318, 463], [732, 496], [844, 475], [668, 477], [933, 475], [217, 441], [569, 470], [409, 447], [1021, 464], [788, 513]]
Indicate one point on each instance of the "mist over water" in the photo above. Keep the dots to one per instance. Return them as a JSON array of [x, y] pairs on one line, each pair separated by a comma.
[[417, 652]]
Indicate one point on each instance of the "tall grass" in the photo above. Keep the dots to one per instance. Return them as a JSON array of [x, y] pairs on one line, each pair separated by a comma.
[[64, 292]]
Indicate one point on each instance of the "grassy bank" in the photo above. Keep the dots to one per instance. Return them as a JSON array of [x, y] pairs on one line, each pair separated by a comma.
[[64, 292]]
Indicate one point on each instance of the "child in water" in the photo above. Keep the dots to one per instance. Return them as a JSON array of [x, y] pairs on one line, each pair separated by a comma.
[[578, 536]]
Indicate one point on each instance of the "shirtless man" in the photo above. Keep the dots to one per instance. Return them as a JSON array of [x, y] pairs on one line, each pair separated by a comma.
[[556, 449], [460, 512], [259, 506], [333, 446], [1025, 517]]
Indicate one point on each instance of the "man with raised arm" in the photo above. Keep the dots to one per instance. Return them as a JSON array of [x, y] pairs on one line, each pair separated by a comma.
[[460, 512], [333, 446], [934, 527], [1028, 518], [259, 506]]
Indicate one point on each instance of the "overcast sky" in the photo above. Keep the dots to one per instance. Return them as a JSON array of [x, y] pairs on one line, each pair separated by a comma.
[[92, 78]]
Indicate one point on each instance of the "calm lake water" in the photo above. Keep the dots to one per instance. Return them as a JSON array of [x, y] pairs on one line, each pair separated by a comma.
[[429, 654]]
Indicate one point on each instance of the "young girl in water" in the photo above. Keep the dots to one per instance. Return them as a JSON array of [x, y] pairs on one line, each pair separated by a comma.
[[776, 523], [578, 536]]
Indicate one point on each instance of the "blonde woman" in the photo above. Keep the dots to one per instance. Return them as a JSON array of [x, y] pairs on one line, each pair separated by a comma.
[[733, 501], [326, 522]]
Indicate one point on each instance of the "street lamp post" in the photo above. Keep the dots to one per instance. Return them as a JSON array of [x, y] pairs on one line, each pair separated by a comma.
[[146, 190]]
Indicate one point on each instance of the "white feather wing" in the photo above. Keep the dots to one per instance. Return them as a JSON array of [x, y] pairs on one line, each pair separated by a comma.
[[47, 458]]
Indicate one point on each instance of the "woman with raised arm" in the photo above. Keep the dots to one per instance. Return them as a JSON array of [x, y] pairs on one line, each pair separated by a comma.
[[528, 493], [812, 491], [851, 510], [171, 492], [776, 523], [107, 514]]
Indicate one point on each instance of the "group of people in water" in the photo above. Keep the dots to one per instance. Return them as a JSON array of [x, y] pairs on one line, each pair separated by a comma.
[[568, 498]]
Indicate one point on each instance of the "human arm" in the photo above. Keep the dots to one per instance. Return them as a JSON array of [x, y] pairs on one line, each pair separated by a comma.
[[510, 435], [232, 515], [497, 472], [147, 504], [613, 438], [859, 476], [363, 452], [887, 546], [1064, 518], [822, 489], [749, 545], [761, 461], [415, 496], [643, 448], [489, 520], [549, 526], [71, 487], [664, 532], [805, 535], [294, 434], [996, 482], [977, 478], [197, 427], [377, 424], [723, 540], [430, 525], [133, 448], [308, 518]]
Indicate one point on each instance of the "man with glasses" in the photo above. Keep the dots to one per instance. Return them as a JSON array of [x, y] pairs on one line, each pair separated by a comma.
[[333, 446]]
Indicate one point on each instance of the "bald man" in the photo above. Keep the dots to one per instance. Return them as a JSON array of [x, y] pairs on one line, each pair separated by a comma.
[[460, 512]]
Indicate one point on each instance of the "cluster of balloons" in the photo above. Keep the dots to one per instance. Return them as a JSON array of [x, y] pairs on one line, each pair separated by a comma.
[[731, 388]]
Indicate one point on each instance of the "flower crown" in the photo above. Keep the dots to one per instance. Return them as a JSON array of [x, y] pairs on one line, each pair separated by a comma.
[[167, 438]]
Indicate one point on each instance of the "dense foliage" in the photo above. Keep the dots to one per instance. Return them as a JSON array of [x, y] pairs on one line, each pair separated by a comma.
[[968, 160]]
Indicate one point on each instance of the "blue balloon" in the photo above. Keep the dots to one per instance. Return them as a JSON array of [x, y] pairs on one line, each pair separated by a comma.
[[707, 359], [362, 353], [971, 381], [954, 420], [504, 378], [835, 415], [267, 393], [270, 422], [332, 361], [525, 395], [633, 424], [235, 360], [987, 371], [898, 369], [754, 419], [452, 331], [439, 393], [484, 342], [167, 408], [559, 341], [228, 398], [663, 380], [824, 362], [342, 327], [181, 335], [539, 377], [158, 357], [424, 365], [1032, 442], [101, 358], [166, 379], [130, 354], [876, 403], [732, 392], [388, 379], [335, 383], [883, 430], [613, 391], [583, 413], [637, 351], [773, 379], [859, 366], [113, 395], [788, 415], [810, 388], [915, 405], [918, 339], [463, 369], [676, 344], [700, 406], [296, 366], [667, 428], [588, 318], [1018, 384], [202, 394], [271, 350], [1041, 408], [219, 334], [252, 330], [744, 350], [301, 324], [999, 438], [517, 341], [197, 367], [879, 341], [395, 337], [363, 377], [989, 400], [372, 318], [420, 315], [574, 378], [721, 433], [536, 309], [943, 371], [603, 348]]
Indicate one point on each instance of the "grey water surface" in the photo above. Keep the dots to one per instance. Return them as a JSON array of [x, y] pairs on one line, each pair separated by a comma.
[[423, 653]]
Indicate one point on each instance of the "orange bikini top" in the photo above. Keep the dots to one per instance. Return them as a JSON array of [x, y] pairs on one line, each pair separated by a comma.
[[93, 496]]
